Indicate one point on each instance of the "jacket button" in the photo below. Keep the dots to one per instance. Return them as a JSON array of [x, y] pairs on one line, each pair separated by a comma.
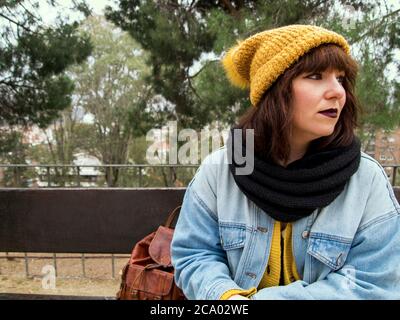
[[251, 275], [262, 229], [305, 234]]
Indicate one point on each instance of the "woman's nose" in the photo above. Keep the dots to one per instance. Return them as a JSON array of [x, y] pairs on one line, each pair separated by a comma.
[[334, 88]]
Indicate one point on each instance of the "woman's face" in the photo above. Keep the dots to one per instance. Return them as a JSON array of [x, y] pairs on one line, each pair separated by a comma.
[[313, 93]]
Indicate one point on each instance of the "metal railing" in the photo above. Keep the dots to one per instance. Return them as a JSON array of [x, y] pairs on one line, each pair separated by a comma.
[[83, 257], [74, 177], [49, 175]]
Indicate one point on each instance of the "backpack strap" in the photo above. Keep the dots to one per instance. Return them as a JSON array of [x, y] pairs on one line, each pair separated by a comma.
[[171, 217]]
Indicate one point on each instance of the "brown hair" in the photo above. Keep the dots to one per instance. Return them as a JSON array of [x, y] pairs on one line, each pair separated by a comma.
[[271, 118]]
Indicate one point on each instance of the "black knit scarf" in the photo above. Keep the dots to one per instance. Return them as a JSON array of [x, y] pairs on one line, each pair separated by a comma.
[[291, 193]]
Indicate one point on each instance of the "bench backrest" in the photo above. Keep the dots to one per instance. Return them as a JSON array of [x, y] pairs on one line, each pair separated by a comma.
[[83, 220]]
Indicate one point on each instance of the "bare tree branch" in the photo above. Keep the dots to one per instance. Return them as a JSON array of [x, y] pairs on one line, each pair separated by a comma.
[[201, 69], [375, 26], [16, 23]]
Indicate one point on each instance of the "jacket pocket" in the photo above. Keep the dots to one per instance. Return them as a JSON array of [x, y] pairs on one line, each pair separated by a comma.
[[233, 239], [232, 235], [330, 250]]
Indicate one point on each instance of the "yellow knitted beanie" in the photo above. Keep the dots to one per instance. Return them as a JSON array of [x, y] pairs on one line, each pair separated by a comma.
[[257, 61]]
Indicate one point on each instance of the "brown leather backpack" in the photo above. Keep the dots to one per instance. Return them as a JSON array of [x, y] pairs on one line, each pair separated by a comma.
[[149, 274]]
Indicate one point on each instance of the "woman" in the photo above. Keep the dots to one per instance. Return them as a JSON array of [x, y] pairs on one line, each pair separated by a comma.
[[315, 218]]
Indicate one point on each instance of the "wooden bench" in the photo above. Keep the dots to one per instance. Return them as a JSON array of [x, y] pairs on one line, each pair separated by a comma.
[[82, 221]]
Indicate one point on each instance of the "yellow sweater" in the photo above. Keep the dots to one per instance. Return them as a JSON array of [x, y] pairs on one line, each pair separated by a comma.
[[281, 269]]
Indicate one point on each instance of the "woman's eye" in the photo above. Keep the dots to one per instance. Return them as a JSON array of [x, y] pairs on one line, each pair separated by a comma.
[[341, 79], [315, 76]]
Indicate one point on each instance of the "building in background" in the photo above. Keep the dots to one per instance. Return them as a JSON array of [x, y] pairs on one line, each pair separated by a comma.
[[387, 149], [33, 135]]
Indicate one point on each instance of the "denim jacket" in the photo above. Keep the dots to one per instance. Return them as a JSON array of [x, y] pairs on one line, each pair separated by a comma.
[[349, 249]]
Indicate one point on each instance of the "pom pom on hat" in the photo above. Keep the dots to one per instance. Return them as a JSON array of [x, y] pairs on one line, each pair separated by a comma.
[[230, 68]]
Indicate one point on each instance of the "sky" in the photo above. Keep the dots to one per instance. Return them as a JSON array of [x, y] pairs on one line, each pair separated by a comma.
[[98, 5], [49, 15]]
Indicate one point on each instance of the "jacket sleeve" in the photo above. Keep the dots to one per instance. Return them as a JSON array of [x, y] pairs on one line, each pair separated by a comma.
[[201, 268], [371, 270]]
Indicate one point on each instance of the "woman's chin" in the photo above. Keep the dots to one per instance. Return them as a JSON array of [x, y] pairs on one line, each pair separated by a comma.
[[324, 132]]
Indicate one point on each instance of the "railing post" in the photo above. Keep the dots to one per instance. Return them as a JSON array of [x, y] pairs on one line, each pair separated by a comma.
[[394, 176], [83, 265], [17, 180], [55, 263], [48, 176], [78, 176], [15, 176], [26, 265], [113, 266], [108, 168], [140, 177]]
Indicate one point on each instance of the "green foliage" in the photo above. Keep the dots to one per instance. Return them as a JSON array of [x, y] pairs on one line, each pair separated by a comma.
[[33, 59], [374, 39], [13, 150], [175, 35], [373, 93], [110, 86], [218, 99]]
